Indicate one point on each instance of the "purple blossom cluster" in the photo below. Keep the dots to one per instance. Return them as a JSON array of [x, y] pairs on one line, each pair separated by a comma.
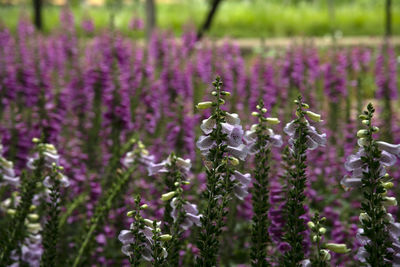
[[90, 97]]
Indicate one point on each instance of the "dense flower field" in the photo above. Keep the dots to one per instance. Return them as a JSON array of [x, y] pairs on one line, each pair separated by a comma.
[[186, 154]]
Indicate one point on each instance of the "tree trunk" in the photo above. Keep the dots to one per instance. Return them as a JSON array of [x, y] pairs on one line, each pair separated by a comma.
[[388, 18], [37, 11], [207, 23], [150, 17]]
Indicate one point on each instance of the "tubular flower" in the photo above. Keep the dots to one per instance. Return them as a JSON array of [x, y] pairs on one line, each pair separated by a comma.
[[191, 214]]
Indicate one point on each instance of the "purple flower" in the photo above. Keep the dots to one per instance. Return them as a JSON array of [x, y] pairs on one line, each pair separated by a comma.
[[314, 139], [183, 165], [240, 189], [191, 214]]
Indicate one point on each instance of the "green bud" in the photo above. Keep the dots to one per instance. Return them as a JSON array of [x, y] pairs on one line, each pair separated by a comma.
[[165, 237], [311, 225], [322, 230], [362, 133], [304, 105], [338, 248], [375, 129], [144, 206], [325, 255], [214, 93], [273, 120], [234, 161], [225, 93], [389, 201], [168, 196], [130, 213], [35, 140], [255, 114], [365, 122], [314, 116], [221, 101], [264, 110], [33, 227], [33, 216], [148, 222], [258, 107], [11, 211], [363, 117], [204, 105], [388, 185]]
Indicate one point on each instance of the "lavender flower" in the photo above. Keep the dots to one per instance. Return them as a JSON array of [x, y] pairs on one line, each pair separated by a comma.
[[303, 137], [379, 235], [261, 137], [143, 240]]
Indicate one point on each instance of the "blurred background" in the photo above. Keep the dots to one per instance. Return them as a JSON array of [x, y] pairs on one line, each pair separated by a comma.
[[219, 18]]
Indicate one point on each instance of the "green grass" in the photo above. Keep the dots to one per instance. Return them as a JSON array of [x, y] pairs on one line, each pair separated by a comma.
[[239, 19]]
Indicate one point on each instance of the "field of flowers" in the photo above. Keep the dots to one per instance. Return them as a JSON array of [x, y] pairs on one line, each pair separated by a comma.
[[191, 154]]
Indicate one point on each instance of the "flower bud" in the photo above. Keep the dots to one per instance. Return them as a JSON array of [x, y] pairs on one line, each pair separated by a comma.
[[204, 105], [362, 142], [375, 129], [11, 211], [130, 213], [165, 237], [144, 206], [322, 230], [363, 217], [264, 110], [148, 222], [305, 105], [273, 120], [225, 93], [325, 255], [389, 201], [362, 133], [35, 140], [314, 116], [168, 196], [338, 248], [33, 216], [388, 185], [234, 161], [33, 227], [258, 107], [214, 93], [254, 114], [365, 122], [363, 117], [311, 225]]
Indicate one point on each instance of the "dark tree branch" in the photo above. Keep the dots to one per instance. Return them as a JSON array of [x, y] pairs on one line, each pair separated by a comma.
[[207, 23], [37, 11], [150, 17]]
